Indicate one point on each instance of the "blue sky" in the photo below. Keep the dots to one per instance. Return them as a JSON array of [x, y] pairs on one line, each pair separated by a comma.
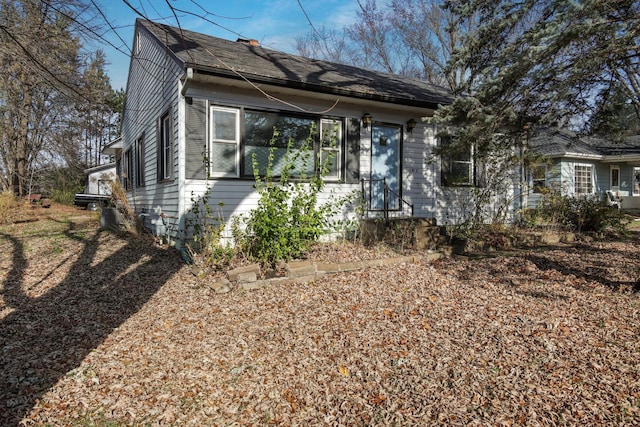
[[275, 23]]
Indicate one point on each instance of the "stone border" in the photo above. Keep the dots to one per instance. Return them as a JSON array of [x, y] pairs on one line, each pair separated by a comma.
[[248, 278]]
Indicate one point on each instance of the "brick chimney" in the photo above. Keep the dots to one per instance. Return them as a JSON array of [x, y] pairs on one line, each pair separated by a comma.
[[250, 42]]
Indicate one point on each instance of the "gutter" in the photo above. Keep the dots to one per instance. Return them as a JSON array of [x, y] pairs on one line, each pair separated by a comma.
[[186, 78], [328, 89]]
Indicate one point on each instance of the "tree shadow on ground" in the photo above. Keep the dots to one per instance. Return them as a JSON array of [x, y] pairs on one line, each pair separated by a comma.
[[584, 268], [45, 337]]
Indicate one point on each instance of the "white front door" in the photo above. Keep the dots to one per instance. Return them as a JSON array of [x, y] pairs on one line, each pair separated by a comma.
[[385, 164]]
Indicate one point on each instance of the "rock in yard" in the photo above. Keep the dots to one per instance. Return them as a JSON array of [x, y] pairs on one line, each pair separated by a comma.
[[220, 285]]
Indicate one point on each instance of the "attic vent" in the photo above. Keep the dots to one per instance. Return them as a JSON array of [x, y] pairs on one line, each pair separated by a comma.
[[250, 42]]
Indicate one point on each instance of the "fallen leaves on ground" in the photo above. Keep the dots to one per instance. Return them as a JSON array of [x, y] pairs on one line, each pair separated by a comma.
[[541, 338]]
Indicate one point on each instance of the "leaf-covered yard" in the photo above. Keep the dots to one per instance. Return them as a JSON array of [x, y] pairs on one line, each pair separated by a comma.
[[108, 330]]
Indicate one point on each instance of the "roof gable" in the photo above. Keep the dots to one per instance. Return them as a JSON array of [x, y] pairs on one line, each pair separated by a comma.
[[240, 60]]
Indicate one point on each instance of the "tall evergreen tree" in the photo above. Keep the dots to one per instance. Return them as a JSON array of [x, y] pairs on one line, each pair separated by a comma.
[[614, 116], [541, 61]]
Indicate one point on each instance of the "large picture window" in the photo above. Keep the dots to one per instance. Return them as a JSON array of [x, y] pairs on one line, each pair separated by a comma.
[[583, 179], [236, 137], [292, 132]]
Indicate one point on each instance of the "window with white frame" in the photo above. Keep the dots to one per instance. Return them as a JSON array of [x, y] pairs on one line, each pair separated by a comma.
[[636, 181], [137, 43], [583, 179], [225, 141], [330, 143], [538, 178], [457, 164], [165, 148]]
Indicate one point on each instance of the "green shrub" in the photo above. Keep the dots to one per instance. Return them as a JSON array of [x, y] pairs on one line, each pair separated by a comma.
[[65, 196], [288, 217]]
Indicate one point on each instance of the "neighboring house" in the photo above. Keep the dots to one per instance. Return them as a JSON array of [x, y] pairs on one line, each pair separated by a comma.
[[197, 108], [99, 179], [97, 190], [585, 167]]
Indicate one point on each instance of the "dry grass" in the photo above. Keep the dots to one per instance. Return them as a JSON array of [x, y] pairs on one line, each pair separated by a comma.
[[110, 331]]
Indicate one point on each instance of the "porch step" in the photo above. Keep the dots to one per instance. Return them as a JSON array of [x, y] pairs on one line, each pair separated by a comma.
[[420, 233]]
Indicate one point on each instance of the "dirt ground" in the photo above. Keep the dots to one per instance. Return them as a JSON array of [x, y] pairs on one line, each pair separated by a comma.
[[106, 329]]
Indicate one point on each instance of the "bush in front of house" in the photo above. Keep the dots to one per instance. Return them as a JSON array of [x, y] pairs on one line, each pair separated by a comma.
[[288, 217], [584, 214]]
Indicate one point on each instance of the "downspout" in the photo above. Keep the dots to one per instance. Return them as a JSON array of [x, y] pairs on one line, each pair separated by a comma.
[[524, 187], [185, 79], [183, 85]]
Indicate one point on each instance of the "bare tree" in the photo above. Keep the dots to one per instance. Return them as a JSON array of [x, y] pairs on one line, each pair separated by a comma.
[[408, 37], [43, 88]]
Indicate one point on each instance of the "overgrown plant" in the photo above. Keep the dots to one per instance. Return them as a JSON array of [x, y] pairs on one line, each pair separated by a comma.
[[9, 207], [289, 216], [471, 209], [579, 214], [119, 196], [206, 225]]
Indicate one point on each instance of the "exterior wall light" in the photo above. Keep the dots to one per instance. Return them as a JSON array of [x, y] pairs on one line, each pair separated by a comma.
[[366, 120], [411, 124]]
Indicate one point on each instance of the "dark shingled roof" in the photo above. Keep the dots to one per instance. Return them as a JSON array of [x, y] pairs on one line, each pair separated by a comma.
[[628, 145], [560, 142], [215, 56]]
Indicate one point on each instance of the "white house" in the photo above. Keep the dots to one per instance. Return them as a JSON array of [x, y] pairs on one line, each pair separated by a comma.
[[582, 166], [197, 108]]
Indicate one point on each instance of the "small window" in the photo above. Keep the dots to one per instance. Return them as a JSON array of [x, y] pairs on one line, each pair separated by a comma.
[[225, 141], [457, 164], [539, 178], [165, 149], [636, 181], [140, 162], [583, 179]]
